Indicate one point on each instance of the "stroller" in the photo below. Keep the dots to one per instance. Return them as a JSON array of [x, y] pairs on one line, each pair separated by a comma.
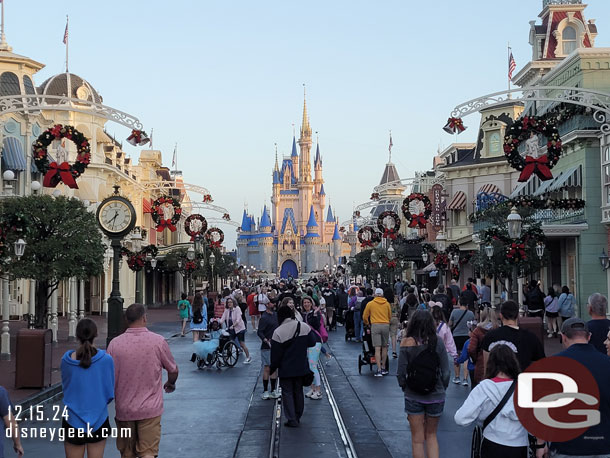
[[350, 329], [368, 352]]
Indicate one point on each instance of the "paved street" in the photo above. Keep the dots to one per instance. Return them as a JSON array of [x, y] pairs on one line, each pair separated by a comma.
[[219, 413]]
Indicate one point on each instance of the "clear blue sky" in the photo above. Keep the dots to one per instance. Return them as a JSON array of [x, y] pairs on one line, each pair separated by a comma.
[[224, 79]]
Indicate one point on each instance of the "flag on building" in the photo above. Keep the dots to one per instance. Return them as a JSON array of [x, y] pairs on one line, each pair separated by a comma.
[[174, 157], [511, 66], [391, 144], [66, 33]]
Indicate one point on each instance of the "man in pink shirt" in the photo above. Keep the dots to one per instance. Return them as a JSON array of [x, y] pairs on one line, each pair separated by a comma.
[[139, 359]]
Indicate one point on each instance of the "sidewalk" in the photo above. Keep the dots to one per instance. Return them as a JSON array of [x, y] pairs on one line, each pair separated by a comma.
[[165, 317]]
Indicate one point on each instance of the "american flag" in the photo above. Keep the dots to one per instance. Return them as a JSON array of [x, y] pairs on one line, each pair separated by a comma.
[[66, 33], [391, 144], [511, 66]]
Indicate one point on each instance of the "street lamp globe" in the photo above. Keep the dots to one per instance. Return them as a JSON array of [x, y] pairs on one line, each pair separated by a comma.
[[374, 256], [35, 186], [20, 248], [190, 253], [441, 241], [489, 250], [9, 175], [56, 193], [153, 263], [514, 223], [424, 256], [391, 253], [201, 263], [540, 249], [380, 263], [604, 260], [212, 259], [179, 264]]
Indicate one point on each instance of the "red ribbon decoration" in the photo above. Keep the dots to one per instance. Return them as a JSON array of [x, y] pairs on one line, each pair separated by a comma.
[[418, 220], [166, 223], [454, 125], [391, 233], [65, 174], [538, 166], [366, 243]]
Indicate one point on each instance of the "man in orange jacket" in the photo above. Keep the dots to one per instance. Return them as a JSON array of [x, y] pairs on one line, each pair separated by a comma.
[[379, 313]]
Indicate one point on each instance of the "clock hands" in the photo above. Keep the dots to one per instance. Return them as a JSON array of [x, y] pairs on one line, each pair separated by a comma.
[[116, 213]]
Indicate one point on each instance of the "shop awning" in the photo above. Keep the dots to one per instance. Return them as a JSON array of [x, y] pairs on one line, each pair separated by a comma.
[[458, 202], [13, 157], [490, 188], [571, 178], [526, 189], [146, 205]]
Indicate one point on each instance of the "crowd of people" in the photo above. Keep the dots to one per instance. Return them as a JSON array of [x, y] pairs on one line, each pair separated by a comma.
[[426, 331]]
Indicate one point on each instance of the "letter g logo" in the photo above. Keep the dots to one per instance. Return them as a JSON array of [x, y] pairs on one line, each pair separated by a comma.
[[557, 399]]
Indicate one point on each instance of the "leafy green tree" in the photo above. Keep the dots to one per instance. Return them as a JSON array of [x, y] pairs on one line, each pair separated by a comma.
[[63, 241]]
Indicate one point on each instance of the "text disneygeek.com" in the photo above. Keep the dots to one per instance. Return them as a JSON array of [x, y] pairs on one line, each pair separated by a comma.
[[62, 434]]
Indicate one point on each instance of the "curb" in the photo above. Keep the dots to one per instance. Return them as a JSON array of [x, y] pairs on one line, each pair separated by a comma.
[[45, 395]]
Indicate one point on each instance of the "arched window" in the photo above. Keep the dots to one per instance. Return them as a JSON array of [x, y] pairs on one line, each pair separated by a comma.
[[568, 39], [9, 84], [28, 85]]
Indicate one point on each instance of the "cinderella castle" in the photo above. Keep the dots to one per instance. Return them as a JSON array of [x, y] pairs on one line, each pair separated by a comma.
[[300, 235]]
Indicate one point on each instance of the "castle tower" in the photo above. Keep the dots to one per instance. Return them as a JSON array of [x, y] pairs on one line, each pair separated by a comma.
[[243, 239], [317, 166], [336, 244], [275, 196], [312, 239], [304, 185], [265, 242], [294, 155]]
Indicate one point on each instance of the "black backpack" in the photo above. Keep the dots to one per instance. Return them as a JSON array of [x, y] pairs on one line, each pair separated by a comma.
[[197, 317], [422, 371]]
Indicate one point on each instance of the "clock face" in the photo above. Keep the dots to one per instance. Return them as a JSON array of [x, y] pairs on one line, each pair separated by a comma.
[[494, 143], [115, 216]]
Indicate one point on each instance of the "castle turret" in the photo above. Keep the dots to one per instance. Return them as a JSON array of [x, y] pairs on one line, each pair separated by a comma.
[[265, 242], [317, 166], [294, 155], [243, 238], [312, 242], [336, 244]]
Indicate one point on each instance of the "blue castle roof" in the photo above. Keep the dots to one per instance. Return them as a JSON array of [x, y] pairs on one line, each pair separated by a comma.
[[322, 192], [294, 147], [318, 159], [336, 235], [312, 218], [265, 220], [276, 177], [330, 218], [246, 225]]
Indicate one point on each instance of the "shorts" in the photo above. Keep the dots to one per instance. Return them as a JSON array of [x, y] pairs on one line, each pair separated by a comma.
[[380, 334], [144, 438], [419, 408], [265, 357], [72, 434], [552, 314], [393, 326], [241, 335], [459, 342]]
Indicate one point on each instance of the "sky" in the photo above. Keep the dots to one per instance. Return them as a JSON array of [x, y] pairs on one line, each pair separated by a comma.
[[224, 80]]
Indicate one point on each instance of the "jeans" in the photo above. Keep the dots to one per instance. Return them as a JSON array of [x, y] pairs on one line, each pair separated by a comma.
[[357, 325], [293, 399]]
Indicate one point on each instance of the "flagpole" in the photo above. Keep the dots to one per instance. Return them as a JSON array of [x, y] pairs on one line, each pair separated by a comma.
[[3, 37], [509, 96], [67, 41]]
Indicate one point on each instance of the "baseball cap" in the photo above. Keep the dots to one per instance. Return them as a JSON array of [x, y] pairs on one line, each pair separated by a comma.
[[573, 323], [378, 292]]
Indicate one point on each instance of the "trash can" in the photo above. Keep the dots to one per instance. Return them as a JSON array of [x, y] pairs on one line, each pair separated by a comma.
[[33, 358], [533, 324]]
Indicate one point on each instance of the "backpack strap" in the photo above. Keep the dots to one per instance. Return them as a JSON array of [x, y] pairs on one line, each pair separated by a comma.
[[500, 406], [458, 321]]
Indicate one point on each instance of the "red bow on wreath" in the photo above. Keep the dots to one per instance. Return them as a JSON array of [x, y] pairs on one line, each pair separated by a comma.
[[391, 264], [454, 125], [391, 233], [51, 178], [366, 243], [517, 250], [418, 220], [166, 223], [538, 166], [138, 138], [215, 244]]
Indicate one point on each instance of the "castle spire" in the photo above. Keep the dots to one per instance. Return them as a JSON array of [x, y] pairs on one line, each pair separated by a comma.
[[305, 127], [3, 44], [277, 167]]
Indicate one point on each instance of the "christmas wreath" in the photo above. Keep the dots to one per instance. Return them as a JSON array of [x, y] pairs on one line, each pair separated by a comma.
[[190, 267], [441, 260], [368, 237], [163, 220], [521, 130], [417, 208], [215, 237], [137, 261], [389, 223], [199, 225], [55, 173], [392, 264]]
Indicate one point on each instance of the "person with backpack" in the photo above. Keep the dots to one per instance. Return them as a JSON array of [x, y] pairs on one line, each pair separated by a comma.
[[458, 323], [491, 402], [184, 307], [378, 314], [489, 322], [423, 374], [199, 318]]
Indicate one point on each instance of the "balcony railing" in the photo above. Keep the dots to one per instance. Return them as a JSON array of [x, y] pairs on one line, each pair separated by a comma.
[[559, 216], [546, 3]]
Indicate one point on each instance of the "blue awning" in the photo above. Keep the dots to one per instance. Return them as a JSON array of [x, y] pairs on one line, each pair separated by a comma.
[[13, 157]]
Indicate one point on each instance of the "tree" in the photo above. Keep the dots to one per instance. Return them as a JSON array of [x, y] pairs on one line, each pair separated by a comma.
[[63, 241]]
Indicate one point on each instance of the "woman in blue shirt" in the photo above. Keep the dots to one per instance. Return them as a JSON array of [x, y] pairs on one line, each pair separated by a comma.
[[87, 376]]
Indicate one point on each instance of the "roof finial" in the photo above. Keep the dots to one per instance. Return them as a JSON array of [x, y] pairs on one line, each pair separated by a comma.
[[3, 44], [390, 147], [305, 128], [276, 164]]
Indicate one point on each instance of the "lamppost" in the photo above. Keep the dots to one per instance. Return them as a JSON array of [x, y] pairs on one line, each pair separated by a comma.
[[5, 339], [190, 255], [212, 261], [514, 224], [441, 246], [604, 260], [136, 240]]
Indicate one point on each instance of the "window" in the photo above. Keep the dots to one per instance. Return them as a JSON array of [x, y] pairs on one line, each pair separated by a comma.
[[607, 154], [9, 84], [606, 174], [568, 37], [607, 195], [28, 85]]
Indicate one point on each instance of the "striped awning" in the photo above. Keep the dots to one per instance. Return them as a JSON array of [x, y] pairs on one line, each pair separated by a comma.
[[458, 202], [571, 178], [489, 188], [13, 157], [527, 188], [146, 205]]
